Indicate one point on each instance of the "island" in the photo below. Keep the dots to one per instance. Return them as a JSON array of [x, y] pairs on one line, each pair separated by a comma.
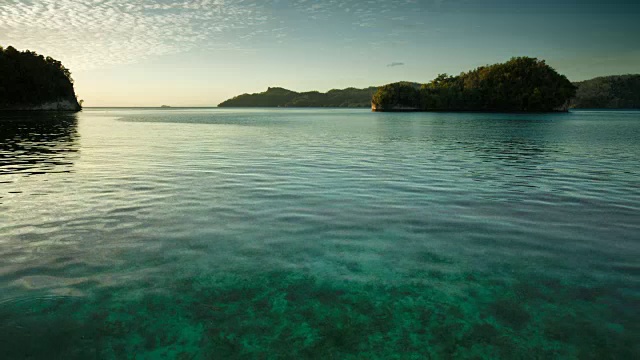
[[29, 81], [280, 97], [608, 92], [165, 106], [522, 84]]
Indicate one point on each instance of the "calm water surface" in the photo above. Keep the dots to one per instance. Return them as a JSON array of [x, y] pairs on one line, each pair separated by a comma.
[[198, 234]]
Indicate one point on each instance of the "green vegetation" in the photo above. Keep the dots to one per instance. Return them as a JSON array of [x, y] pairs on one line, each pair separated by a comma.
[[610, 92], [30, 81], [400, 96], [279, 97], [521, 84]]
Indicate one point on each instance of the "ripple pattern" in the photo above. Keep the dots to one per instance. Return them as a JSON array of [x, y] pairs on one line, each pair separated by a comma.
[[190, 233]]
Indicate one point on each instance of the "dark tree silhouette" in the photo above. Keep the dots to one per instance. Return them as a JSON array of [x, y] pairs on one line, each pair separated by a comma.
[[28, 79], [279, 97], [610, 92]]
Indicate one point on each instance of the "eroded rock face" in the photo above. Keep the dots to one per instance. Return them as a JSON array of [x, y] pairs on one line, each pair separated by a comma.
[[397, 108], [563, 108], [60, 105]]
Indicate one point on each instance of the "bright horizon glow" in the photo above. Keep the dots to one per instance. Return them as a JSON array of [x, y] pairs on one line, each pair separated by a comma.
[[202, 52]]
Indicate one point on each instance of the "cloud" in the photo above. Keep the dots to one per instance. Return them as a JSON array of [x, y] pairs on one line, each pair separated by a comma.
[[394, 64], [87, 34], [93, 33]]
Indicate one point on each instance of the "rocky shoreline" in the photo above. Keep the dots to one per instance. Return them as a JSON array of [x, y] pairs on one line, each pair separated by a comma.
[[60, 105]]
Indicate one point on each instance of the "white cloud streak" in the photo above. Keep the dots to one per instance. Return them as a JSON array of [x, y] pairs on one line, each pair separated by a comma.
[[94, 33], [87, 34]]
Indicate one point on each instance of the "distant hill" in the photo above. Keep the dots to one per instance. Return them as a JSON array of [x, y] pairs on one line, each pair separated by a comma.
[[29, 81], [608, 92], [279, 97]]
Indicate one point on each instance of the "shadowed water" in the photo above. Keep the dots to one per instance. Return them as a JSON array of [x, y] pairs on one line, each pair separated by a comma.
[[196, 234]]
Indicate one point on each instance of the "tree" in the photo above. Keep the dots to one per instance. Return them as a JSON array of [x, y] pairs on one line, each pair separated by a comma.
[[400, 95], [28, 79], [520, 84], [621, 91]]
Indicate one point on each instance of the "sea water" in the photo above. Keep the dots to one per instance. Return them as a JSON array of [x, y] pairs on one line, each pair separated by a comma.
[[319, 233]]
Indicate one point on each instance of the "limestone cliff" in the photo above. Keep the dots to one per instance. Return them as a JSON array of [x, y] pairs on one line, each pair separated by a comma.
[[392, 108], [60, 105]]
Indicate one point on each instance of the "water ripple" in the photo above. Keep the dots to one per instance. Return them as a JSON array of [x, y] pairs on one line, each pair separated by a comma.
[[411, 229]]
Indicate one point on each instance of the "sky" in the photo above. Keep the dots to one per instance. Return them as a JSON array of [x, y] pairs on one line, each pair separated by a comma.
[[201, 52]]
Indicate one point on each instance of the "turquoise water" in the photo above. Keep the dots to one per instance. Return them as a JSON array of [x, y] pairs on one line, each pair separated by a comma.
[[346, 234]]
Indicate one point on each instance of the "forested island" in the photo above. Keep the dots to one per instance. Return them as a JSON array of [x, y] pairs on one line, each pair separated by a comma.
[[29, 81], [522, 84], [608, 92], [279, 97]]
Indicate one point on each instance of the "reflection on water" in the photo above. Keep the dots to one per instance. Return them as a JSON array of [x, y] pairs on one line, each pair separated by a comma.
[[37, 143], [199, 234]]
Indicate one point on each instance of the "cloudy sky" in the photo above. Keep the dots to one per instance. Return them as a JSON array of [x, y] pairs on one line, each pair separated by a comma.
[[200, 52]]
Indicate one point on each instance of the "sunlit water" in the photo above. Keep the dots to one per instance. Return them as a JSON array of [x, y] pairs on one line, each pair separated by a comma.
[[197, 234]]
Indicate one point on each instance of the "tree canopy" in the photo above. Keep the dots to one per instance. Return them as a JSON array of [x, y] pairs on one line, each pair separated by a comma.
[[522, 84], [29, 79], [402, 94], [610, 92]]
